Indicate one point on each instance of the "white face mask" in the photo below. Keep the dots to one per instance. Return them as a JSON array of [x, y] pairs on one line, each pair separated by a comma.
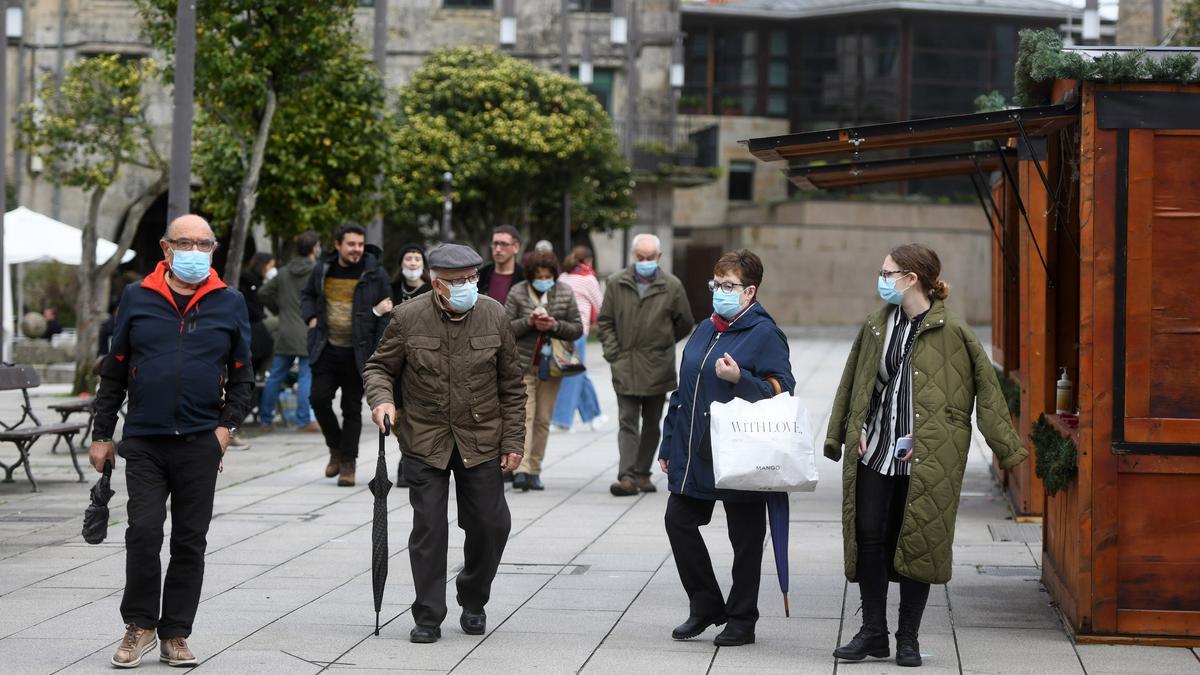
[[411, 275], [271, 274]]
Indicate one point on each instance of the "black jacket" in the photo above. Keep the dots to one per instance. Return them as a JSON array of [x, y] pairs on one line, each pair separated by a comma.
[[186, 370], [486, 272], [249, 283], [373, 286]]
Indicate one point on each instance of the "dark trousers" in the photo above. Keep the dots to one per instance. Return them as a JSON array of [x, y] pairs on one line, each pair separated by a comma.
[[482, 514], [747, 530], [185, 468], [639, 432], [878, 514], [336, 370]]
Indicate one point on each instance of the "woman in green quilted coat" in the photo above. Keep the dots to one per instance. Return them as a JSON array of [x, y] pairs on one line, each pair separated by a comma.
[[913, 375]]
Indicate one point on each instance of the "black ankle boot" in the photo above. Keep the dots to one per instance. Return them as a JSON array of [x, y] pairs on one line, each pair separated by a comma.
[[872, 638], [908, 649]]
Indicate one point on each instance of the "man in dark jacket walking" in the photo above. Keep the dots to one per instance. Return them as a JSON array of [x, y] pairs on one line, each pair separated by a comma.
[[645, 312], [346, 305], [281, 295], [181, 349], [463, 413]]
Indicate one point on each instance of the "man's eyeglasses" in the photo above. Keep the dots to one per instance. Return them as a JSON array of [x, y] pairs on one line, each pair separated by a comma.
[[726, 286], [202, 245], [473, 279], [887, 274]]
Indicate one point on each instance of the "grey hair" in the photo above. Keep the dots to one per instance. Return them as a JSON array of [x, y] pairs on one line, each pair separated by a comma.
[[657, 243]]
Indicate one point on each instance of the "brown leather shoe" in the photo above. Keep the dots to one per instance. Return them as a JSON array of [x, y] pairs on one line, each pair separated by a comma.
[[332, 468], [175, 652], [137, 643], [346, 477], [310, 428], [623, 488], [646, 485]]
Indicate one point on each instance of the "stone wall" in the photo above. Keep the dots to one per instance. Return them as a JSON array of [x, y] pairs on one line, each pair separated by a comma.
[[1135, 21], [822, 257]]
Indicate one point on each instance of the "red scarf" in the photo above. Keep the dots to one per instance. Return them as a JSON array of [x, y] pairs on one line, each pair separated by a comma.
[[722, 325], [582, 269]]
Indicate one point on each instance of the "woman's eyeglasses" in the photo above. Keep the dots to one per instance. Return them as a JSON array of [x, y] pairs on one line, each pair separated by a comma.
[[887, 274], [726, 286]]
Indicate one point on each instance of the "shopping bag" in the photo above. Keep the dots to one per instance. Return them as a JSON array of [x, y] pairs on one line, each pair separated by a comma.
[[765, 446], [564, 359]]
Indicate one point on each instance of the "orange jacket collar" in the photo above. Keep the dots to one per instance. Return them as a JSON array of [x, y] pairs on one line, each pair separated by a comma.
[[157, 281]]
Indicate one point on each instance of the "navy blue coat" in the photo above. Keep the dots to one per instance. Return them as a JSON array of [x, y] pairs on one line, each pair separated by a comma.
[[186, 369], [761, 351]]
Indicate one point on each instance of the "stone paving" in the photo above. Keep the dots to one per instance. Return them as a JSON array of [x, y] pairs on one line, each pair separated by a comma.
[[588, 584]]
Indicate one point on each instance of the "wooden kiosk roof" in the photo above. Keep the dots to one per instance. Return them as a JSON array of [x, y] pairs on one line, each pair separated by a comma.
[[1000, 125], [853, 174]]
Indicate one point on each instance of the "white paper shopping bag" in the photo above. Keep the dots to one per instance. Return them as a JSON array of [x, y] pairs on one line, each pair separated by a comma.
[[765, 446]]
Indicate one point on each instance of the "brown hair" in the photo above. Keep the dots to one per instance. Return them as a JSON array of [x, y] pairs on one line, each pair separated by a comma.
[[922, 261], [541, 260], [577, 255], [744, 263]]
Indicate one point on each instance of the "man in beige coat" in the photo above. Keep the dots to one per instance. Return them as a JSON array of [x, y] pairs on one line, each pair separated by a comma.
[[645, 312], [463, 414]]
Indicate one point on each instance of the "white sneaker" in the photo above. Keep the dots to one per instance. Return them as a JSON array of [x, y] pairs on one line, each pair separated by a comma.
[[559, 429], [599, 422]]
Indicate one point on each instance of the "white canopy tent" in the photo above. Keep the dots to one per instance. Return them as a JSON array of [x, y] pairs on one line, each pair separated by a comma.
[[32, 237]]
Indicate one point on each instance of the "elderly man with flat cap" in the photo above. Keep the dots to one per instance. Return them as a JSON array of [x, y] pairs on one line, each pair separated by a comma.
[[463, 413]]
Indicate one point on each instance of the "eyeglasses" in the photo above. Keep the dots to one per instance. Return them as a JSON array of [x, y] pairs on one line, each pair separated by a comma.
[[887, 274], [473, 279], [726, 286], [203, 245]]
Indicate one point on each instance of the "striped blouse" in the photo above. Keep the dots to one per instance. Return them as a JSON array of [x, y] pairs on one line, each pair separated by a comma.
[[891, 415]]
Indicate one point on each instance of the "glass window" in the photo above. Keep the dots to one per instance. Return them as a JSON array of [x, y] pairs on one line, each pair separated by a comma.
[[779, 43], [591, 5], [601, 86], [948, 67], [777, 74], [777, 105], [741, 180], [468, 4]]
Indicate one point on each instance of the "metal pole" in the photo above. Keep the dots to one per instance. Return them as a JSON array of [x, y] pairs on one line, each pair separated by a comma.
[[447, 207], [6, 328], [17, 154], [1157, 20], [59, 67], [179, 186], [564, 43], [375, 227]]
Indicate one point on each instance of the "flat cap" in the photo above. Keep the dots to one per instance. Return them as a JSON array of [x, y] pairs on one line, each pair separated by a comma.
[[454, 257]]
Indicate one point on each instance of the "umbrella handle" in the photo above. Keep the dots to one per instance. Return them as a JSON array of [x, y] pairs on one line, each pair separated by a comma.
[[387, 426], [108, 468]]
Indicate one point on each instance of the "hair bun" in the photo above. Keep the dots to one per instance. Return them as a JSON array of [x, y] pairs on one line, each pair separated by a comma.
[[941, 290]]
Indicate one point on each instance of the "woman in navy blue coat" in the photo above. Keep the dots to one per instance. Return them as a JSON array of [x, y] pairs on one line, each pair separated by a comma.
[[737, 353]]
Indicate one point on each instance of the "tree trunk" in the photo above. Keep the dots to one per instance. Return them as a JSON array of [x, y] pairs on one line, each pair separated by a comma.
[[248, 194], [87, 327]]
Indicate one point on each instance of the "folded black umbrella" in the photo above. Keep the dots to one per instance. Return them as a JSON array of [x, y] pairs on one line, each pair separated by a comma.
[[95, 519], [380, 486]]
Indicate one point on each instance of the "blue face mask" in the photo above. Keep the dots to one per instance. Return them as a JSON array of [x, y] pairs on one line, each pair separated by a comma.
[[646, 268], [190, 267], [887, 291], [543, 285], [727, 305], [463, 297]]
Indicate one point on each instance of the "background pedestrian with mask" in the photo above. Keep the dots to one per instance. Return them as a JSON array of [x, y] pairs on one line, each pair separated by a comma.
[[644, 314], [454, 356], [916, 369], [346, 304], [181, 349], [411, 281], [578, 393], [540, 308]]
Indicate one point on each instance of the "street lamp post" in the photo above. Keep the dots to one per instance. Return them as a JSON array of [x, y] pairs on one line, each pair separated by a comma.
[[447, 207], [375, 227], [564, 43], [179, 185], [6, 327]]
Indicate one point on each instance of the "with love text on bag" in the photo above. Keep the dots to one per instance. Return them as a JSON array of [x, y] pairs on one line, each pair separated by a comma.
[[766, 446]]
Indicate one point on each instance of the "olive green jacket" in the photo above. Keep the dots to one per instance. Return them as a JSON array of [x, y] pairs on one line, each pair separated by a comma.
[[638, 333], [459, 381], [951, 374]]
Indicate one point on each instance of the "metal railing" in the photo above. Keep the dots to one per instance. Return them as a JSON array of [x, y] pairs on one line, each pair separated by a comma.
[[656, 141]]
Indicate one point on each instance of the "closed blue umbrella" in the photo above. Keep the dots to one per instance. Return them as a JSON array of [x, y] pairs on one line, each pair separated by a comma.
[[778, 517]]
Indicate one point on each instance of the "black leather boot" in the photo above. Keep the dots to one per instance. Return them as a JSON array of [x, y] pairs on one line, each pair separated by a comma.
[[872, 639], [908, 649]]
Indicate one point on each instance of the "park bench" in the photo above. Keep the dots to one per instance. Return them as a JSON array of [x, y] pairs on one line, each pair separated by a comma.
[[25, 435], [79, 405]]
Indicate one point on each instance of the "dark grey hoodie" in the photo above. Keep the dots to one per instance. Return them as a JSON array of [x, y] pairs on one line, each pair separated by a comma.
[[281, 295]]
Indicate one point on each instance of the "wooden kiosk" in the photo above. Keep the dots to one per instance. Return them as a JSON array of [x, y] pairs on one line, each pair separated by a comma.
[[1095, 208]]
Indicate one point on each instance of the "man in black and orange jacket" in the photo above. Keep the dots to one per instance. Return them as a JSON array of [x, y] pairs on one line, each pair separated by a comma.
[[181, 350]]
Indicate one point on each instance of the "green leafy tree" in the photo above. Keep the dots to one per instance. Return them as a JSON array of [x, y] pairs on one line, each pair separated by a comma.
[[85, 135], [263, 63], [516, 138]]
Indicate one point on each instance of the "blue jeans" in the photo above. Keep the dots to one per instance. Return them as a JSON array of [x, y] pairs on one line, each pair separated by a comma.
[[576, 393], [280, 366]]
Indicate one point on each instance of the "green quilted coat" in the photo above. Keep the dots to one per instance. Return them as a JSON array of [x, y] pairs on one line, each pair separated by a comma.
[[951, 374]]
